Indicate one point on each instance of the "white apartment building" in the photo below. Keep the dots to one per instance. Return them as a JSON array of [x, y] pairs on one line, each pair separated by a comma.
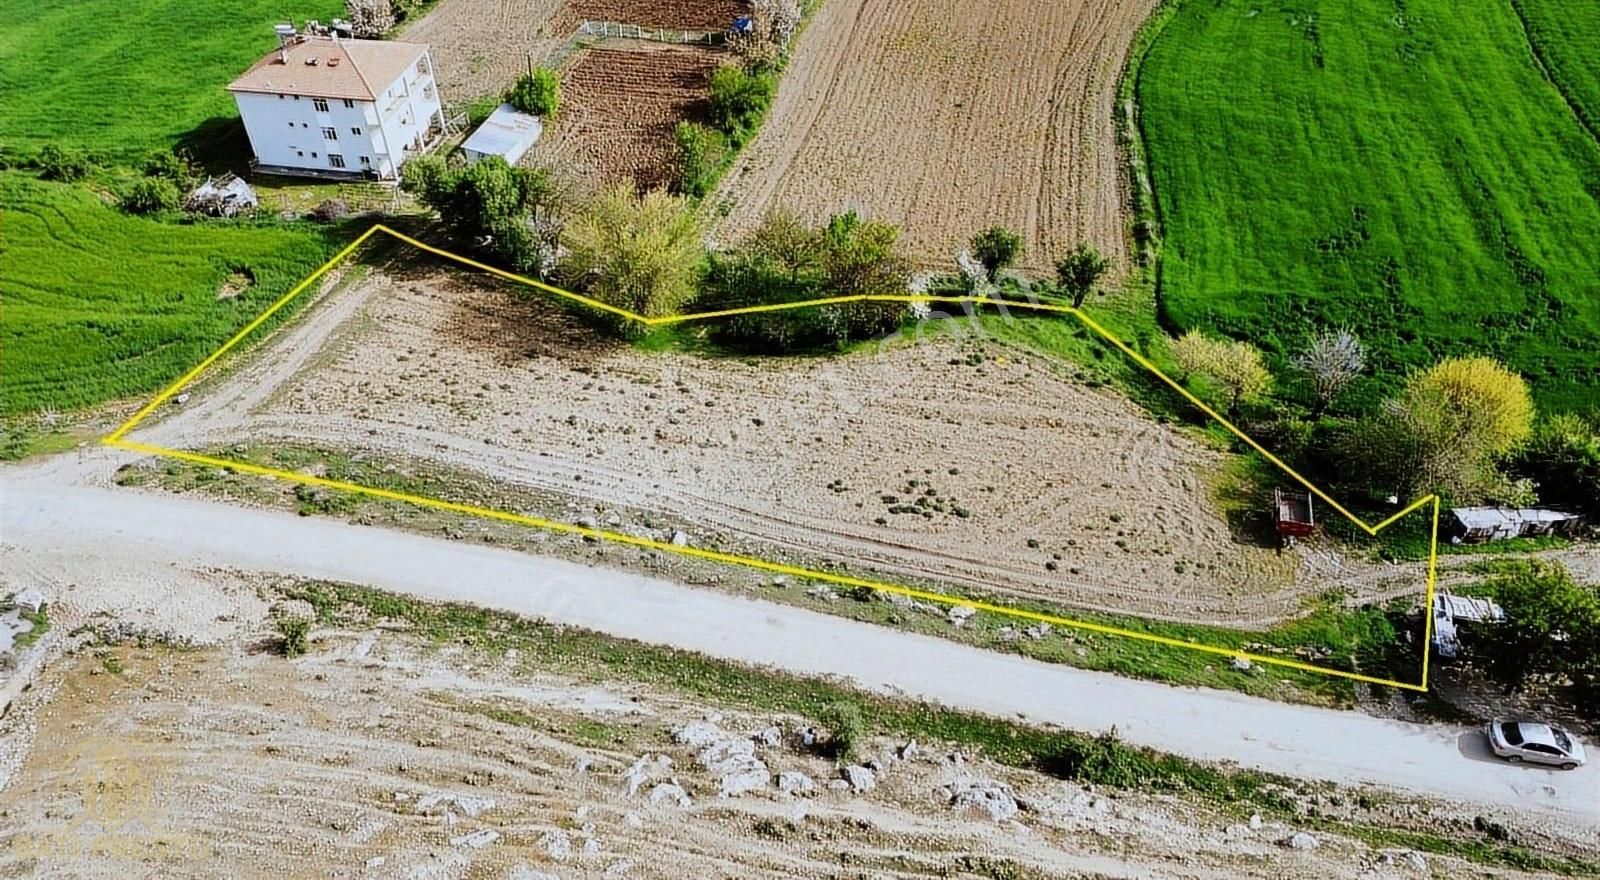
[[327, 105]]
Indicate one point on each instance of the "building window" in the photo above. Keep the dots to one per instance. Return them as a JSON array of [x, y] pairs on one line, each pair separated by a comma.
[[291, 123], [313, 155], [280, 97], [319, 104], [349, 103], [330, 134], [335, 160], [297, 97], [366, 161], [300, 153], [355, 131]]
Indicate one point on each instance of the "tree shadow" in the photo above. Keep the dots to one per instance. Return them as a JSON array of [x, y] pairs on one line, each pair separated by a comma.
[[217, 145]]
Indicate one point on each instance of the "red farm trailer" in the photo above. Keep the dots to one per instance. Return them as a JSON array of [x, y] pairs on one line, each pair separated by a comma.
[[1293, 515]]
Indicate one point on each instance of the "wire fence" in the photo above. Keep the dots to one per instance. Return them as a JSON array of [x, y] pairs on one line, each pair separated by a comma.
[[624, 31]]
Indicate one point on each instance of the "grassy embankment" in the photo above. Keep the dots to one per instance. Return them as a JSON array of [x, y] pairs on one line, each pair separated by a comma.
[[99, 304], [1086, 759], [1405, 169]]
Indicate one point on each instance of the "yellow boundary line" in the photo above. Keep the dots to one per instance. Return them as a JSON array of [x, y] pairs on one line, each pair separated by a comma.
[[116, 439]]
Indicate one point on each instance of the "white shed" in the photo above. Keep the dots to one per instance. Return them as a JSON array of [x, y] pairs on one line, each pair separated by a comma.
[[507, 133]]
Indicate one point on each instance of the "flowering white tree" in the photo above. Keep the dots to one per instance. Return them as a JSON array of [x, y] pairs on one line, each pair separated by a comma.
[[772, 25], [1331, 360], [370, 19]]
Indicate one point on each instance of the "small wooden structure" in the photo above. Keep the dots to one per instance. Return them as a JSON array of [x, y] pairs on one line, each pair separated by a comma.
[[1293, 514], [1478, 524]]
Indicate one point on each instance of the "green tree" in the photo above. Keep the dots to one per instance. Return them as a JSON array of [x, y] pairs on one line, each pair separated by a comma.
[[996, 248], [1079, 271], [701, 152], [512, 213], [538, 93], [1551, 635], [639, 253], [165, 163], [1448, 431], [739, 98], [784, 240], [151, 195], [1237, 367], [1563, 460], [862, 257]]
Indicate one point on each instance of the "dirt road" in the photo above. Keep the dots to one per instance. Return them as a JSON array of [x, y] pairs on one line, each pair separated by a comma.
[[53, 527]]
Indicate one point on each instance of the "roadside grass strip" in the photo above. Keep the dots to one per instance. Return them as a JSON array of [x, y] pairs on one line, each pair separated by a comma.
[[1430, 503]]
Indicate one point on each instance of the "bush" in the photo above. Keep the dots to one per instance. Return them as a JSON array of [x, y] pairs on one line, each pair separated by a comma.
[[739, 99], [55, 163], [164, 163], [329, 210], [294, 631], [538, 93], [637, 253], [151, 195], [846, 728], [996, 248], [701, 154]]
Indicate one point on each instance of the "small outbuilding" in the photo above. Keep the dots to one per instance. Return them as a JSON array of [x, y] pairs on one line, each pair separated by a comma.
[[1477, 524], [507, 133]]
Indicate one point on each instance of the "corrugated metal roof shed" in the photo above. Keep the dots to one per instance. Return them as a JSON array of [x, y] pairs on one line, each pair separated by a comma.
[[507, 133]]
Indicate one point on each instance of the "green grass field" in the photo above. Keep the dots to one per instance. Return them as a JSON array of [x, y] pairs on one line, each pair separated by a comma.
[[1566, 39], [122, 78], [1401, 166], [100, 305]]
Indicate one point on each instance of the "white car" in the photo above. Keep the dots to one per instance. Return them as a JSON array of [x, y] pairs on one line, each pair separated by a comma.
[[1536, 743]]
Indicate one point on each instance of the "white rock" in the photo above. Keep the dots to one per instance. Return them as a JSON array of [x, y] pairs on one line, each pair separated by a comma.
[[468, 805], [375, 862], [1241, 663], [909, 750], [987, 797], [795, 782], [959, 614], [620, 869], [1299, 840], [613, 520], [772, 737], [860, 778], [591, 846], [588, 522], [668, 792], [181, 399], [582, 765], [679, 539], [699, 734], [1255, 821], [644, 769], [556, 844], [477, 839], [1037, 631], [633, 820], [838, 785]]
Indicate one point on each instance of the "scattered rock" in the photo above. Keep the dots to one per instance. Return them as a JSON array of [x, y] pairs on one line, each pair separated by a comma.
[[620, 869], [1255, 821], [795, 782], [909, 750], [375, 862], [582, 765], [1299, 840], [987, 797], [669, 792], [960, 614], [613, 521], [633, 820], [772, 737], [1037, 631], [465, 804], [588, 522], [1242, 664], [679, 539], [556, 844], [859, 778], [477, 839], [644, 769]]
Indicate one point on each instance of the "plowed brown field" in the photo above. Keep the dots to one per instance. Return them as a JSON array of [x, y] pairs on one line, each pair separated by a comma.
[[710, 15], [948, 117], [620, 106]]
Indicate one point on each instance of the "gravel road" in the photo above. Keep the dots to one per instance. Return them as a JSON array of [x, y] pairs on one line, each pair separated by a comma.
[[52, 525]]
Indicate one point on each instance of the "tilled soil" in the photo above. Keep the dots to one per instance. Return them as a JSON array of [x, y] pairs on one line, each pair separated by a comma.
[[481, 46], [948, 118], [967, 463], [708, 15], [620, 106]]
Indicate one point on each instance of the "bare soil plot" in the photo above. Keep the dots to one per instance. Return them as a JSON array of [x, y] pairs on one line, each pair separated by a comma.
[[480, 46], [964, 463], [949, 117], [710, 15], [620, 105]]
